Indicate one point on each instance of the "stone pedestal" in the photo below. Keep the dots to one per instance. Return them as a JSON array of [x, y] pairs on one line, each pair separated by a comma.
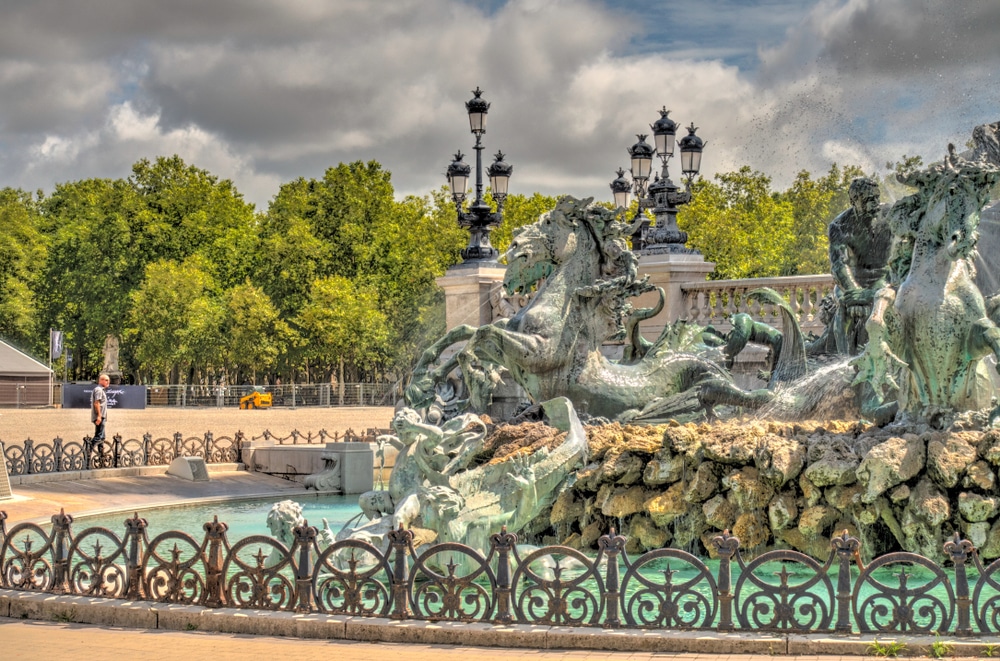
[[467, 293], [669, 271]]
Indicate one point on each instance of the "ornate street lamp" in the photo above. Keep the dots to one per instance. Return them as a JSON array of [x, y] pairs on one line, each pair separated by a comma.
[[479, 218], [663, 195]]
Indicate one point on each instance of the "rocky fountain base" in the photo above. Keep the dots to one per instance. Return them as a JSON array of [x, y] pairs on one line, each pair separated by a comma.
[[773, 485]]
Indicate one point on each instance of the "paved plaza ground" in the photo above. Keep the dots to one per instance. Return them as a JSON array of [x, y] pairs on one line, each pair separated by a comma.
[[73, 424], [22, 640]]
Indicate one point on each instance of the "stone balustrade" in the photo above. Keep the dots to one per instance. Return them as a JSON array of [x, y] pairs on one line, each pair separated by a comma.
[[715, 301]]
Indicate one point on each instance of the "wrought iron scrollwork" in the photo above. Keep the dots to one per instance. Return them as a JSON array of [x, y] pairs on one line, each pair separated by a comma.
[[800, 600], [911, 606], [668, 588], [259, 574], [174, 569], [555, 587], [25, 563], [352, 577], [442, 589], [97, 564]]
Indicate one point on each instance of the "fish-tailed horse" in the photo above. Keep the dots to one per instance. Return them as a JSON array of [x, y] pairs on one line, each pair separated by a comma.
[[578, 260]]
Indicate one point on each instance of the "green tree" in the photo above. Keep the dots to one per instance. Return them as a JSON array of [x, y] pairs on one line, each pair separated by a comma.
[[814, 204], [175, 322], [23, 250], [345, 327], [738, 223], [255, 335]]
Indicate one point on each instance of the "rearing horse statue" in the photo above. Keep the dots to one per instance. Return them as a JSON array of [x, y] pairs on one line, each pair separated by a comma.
[[577, 257]]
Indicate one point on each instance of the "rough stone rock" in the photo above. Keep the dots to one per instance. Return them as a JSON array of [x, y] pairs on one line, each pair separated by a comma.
[[817, 547], [890, 463], [782, 511], [811, 494], [900, 494], [649, 535], [815, 521], [922, 519], [844, 498], [703, 484], [663, 508], [566, 508], [684, 439], [989, 446], [664, 468], [980, 476], [719, 513], [833, 468], [573, 541], [948, 458], [746, 489], [991, 548], [688, 529], [590, 534], [587, 477], [642, 439], [736, 444], [624, 502], [620, 468], [751, 528], [779, 459], [975, 508], [977, 533]]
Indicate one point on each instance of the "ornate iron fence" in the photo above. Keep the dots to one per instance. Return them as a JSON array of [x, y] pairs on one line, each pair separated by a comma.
[[782, 591], [60, 456]]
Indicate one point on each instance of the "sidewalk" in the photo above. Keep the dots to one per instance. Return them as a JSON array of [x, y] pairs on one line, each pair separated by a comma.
[[23, 640]]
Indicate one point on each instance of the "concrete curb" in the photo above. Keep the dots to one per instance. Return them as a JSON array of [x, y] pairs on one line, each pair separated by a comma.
[[149, 615], [103, 473]]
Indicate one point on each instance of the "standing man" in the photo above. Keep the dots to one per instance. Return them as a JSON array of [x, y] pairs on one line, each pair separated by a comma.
[[99, 407]]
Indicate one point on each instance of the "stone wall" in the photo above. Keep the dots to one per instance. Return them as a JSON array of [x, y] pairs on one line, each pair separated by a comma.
[[781, 485]]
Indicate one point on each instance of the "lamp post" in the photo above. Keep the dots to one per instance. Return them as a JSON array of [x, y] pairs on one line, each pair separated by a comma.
[[479, 218], [663, 195]]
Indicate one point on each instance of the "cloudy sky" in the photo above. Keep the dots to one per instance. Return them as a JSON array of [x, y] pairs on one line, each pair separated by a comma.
[[263, 91]]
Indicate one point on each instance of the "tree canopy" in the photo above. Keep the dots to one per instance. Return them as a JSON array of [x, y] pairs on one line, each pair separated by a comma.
[[336, 278]]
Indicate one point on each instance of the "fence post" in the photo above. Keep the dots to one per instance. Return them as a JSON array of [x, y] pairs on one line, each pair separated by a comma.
[[399, 541], [147, 445], [613, 545], [29, 456], [959, 550], [238, 439], [215, 532], [305, 541], [116, 450], [178, 444], [727, 546], [135, 535], [88, 451], [57, 453], [503, 542], [61, 539], [208, 447], [846, 548]]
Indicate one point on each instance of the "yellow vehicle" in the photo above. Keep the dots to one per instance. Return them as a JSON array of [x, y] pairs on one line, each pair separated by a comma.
[[255, 400]]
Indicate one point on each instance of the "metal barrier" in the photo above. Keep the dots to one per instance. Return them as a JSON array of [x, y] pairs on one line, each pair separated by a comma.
[[782, 591], [291, 395], [60, 456]]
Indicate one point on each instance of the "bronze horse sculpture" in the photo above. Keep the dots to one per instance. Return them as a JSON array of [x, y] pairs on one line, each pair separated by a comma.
[[577, 259]]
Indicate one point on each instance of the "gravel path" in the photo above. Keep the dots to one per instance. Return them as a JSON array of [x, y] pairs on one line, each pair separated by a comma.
[[73, 424]]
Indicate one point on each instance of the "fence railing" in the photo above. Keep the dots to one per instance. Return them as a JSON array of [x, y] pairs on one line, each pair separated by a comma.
[[715, 301], [59, 456], [781, 590], [291, 395]]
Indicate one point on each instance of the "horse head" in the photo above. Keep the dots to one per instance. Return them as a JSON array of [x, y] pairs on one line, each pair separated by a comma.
[[540, 248]]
